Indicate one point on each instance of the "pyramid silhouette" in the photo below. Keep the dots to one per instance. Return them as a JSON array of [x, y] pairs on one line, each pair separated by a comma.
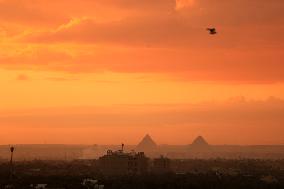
[[147, 143], [199, 142]]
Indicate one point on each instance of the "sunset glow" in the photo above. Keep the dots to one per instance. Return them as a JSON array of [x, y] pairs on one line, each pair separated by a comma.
[[107, 71]]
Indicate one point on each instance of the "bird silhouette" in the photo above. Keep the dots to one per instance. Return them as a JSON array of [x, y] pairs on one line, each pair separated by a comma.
[[212, 31]]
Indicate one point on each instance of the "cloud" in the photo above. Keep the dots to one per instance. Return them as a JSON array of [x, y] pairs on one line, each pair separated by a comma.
[[180, 4], [45, 13], [219, 12], [187, 65], [22, 77], [146, 5], [158, 32], [61, 79], [28, 12], [152, 36], [234, 111], [182, 28], [236, 118], [241, 12]]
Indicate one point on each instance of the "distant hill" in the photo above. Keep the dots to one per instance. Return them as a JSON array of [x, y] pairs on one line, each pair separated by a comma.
[[147, 144]]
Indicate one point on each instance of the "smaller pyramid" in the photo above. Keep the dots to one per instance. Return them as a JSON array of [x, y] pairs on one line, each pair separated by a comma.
[[199, 142], [147, 144]]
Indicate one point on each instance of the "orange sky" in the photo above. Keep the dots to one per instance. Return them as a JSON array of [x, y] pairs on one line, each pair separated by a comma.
[[107, 71]]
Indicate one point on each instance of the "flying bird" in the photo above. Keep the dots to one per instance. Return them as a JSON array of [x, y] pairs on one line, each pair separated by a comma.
[[212, 31]]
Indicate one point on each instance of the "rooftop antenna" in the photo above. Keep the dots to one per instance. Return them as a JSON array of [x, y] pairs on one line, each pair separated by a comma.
[[12, 149], [122, 147]]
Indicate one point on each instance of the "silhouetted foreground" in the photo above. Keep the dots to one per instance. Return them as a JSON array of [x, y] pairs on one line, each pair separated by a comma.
[[199, 174]]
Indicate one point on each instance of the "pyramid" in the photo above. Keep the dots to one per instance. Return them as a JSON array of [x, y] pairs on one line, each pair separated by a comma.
[[199, 142], [147, 144]]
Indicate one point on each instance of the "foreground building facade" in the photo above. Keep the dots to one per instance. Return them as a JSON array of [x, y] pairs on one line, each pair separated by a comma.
[[121, 163]]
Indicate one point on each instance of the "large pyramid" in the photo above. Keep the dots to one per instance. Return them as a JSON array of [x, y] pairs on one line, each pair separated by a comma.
[[147, 144], [199, 142]]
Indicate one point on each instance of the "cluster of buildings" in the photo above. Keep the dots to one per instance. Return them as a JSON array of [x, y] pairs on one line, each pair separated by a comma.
[[148, 156], [125, 163]]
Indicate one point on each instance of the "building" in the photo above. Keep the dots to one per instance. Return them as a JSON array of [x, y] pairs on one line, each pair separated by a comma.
[[121, 163], [161, 165]]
